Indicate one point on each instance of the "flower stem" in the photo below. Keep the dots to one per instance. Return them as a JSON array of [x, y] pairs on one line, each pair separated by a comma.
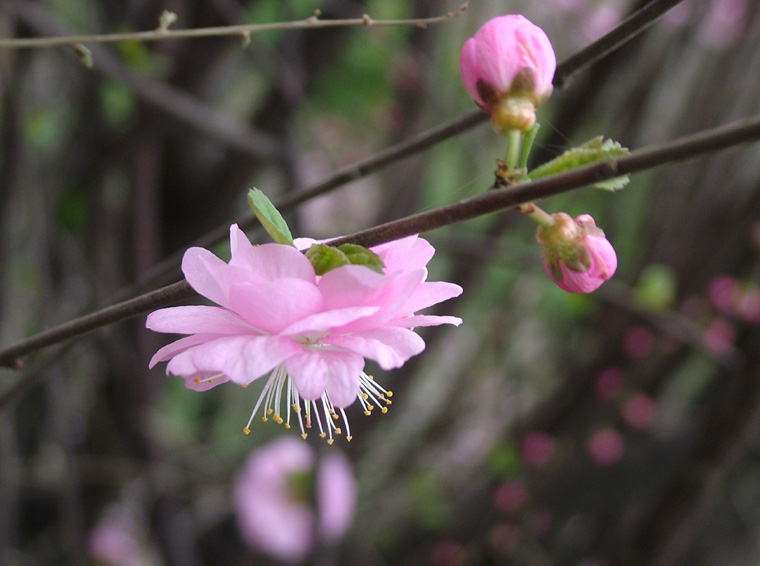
[[536, 213], [514, 138]]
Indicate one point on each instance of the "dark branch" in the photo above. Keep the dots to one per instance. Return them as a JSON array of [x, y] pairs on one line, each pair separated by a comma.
[[679, 150]]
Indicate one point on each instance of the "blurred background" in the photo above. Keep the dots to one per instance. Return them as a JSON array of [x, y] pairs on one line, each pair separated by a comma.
[[615, 429]]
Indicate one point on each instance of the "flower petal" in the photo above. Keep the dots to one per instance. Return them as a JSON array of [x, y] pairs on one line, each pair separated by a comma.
[[406, 254], [205, 273], [308, 370], [344, 371], [425, 320], [317, 325], [196, 319], [238, 240], [429, 294], [241, 358], [390, 347], [178, 346], [274, 305], [274, 261]]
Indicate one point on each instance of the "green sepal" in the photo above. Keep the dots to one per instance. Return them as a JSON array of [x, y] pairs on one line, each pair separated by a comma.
[[593, 151], [325, 258], [270, 217], [359, 255]]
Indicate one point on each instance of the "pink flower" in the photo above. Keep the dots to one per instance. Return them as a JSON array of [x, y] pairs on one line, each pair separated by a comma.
[[310, 333], [508, 67], [577, 256], [274, 505], [606, 447]]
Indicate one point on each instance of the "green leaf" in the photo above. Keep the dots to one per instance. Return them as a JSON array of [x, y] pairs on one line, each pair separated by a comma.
[[325, 258], [359, 255], [593, 151], [269, 217]]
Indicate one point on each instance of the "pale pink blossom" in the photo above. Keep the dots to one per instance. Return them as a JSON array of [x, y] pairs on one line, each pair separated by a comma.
[[274, 505], [577, 256], [309, 333]]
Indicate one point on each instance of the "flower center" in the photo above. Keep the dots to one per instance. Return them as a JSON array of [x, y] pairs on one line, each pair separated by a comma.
[[280, 392]]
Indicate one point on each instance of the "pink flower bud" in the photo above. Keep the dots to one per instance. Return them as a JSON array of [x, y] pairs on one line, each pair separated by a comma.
[[508, 67], [577, 256]]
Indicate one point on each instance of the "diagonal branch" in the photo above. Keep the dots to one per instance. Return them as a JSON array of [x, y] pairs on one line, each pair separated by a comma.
[[609, 42], [681, 149]]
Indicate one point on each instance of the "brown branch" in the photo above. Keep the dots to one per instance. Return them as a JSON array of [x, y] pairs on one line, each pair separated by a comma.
[[595, 51], [245, 31], [491, 201]]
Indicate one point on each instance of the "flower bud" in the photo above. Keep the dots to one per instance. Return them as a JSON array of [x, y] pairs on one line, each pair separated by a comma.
[[577, 256], [508, 67]]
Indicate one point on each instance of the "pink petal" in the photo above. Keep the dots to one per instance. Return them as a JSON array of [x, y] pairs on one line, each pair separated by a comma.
[[351, 286], [241, 358], [344, 372], [408, 253], [308, 370], [205, 380], [317, 325], [270, 518], [336, 495], [425, 320], [429, 294], [179, 346], [398, 290], [238, 240], [274, 261], [196, 319], [273, 305], [205, 273], [390, 347]]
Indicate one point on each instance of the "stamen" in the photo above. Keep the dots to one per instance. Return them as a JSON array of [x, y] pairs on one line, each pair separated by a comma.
[[209, 380], [280, 389]]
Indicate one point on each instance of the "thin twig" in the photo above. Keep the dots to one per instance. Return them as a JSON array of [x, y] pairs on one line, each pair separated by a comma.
[[245, 31], [491, 201]]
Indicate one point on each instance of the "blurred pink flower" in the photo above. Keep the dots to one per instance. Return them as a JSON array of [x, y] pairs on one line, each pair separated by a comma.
[[577, 256], [509, 58], [749, 305], [723, 24], [537, 448], [114, 540], [609, 384], [723, 292], [511, 496], [274, 504], [719, 336], [606, 447], [638, 341], [639, 411], [312, 333]]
